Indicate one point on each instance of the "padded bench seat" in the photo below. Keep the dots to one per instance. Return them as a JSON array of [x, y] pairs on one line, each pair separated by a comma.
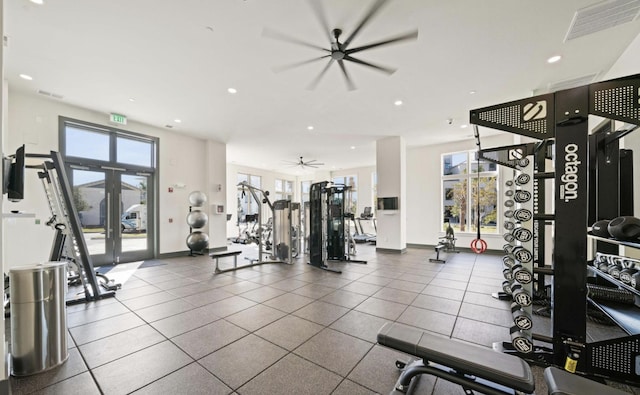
[[561, 382], [465, 361]]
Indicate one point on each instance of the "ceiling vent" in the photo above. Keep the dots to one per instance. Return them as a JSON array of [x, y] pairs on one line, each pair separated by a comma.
[[601, 16], [49, 94], [572, 83]]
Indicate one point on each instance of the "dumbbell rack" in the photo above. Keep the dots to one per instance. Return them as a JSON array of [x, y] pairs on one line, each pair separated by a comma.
[[561, 118]]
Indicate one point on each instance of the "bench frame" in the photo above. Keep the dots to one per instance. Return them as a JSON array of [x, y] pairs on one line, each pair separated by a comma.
[[217, 255]]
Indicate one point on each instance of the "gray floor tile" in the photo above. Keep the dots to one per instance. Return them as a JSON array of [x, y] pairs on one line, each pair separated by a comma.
[[289, 332], [313, 291], [361, 325], [163, 310], [429, 320], [479, 332], [292, 375], [240, 287], [460, 285], [407, 285], [124, 343], [333, 350], [72, 367], [321, 313], [99, 329], [344, 298], [240, 361], [139, 369], [288, 302], [483, 288], [375, 280], [209, 338], [377, 370], [289, 284], [449, 293], [148, 300], [255, 317], [81, 384], [96, 313], [489, 315], [348, 387], [174, 283], [190, 289], [263, 294], [204, 298], [136, 292], [395, 295], [435, 303], [381, 308], [485, 300], [193, 379], [184, 322], [362, 288], [231, 305]]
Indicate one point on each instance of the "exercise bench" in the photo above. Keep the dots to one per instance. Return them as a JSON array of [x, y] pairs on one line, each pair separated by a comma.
[[222, 254], [474, 367]]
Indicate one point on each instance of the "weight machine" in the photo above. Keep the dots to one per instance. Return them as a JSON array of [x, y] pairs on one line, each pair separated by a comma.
[[329, 225]]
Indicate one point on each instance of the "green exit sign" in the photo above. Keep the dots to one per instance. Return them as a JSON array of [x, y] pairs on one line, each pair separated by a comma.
[[118, 118]]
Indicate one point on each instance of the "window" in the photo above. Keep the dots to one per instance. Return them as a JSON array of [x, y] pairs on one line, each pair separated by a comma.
[[284, 190], [351, 181], [246, 203], [460, 193], [305, 187]]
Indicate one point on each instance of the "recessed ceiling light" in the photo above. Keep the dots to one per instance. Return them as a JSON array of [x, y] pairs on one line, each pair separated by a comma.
[[232, 90], [177, 120], [26, 77], [554, 59], [39, 2], [309, 127], [397, 102], [131, 99], [463, 126], [353, 147], [472, 92]]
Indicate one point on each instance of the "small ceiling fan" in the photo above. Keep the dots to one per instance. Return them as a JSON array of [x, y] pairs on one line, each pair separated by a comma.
[[340, 51], [301, 163]]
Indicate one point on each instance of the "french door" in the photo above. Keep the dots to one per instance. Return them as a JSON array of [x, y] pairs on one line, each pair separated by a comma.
[[115, 207]]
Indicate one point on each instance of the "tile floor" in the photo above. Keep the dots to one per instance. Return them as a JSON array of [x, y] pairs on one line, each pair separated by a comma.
[[175, 328]]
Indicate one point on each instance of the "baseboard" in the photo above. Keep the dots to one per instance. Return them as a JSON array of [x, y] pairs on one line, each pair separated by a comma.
[[390, 250]]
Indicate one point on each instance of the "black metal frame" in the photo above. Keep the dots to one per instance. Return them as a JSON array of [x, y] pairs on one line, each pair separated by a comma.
[[566, 120]]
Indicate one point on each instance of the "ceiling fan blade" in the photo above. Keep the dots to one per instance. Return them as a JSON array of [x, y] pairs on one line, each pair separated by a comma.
[[386, 70], [318, 10], [407, 36], [350, 84], [316, 80], [374, 8], [290, 66], [273, 34]]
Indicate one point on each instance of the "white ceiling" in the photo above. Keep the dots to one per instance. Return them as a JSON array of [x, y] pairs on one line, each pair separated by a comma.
[[177, 59]]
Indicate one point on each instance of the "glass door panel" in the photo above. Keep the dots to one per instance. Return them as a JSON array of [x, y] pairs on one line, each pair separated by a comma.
[[90, 198], [135, 215]]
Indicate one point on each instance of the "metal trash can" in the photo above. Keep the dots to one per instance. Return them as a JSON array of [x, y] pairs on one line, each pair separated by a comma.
[[38, 317]]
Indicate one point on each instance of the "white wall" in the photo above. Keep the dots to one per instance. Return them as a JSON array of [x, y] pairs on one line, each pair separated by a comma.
[[423, 190], [182, 160]]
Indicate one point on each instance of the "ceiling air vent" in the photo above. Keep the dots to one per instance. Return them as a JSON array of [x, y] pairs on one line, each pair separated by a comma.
[[601, 16], [572, 83], [49, 94]]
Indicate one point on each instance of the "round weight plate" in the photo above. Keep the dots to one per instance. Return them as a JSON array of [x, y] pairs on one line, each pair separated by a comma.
[[522, 196], [508, 225], [522, 234], [523, 215], [522, 344], [509, 203], [523, 276], [508, 214], [508, 237], [522, 298], [523, 179], [524, 162], [506, 287], [507, 248], [523, 255], [508, 192], [508, 183], [523, 322], [507, 274], [507, 260]]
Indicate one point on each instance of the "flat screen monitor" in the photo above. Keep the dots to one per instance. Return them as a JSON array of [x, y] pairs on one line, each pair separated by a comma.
[[15, 184], [388, 203]]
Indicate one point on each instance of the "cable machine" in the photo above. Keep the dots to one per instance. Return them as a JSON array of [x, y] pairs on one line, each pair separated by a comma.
[[329, 225], [560, 120]]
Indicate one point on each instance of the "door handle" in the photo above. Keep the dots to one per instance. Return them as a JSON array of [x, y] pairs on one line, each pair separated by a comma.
[[108, 221]]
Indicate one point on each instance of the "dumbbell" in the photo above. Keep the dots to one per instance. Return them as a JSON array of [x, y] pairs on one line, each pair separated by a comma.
[[635, 281], [521, 341], [522, 234], [509, 203], [626, 274], [506, 287], [508, 214], [523, 162], [522, 179], [521, 254], [508, 275], [508, 261], [522, 196], [507, 248], [521, 318], [508, 237], [520, 296], [508, 183], [509, 192], [521, 274], [523, 215], [614, 270], [508, 225]]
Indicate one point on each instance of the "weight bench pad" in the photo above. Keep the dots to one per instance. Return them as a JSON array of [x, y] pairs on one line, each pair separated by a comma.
[[561, 382], [466, 358]]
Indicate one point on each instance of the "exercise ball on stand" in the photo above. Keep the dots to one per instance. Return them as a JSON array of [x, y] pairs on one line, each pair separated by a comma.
[[197, 198], [197, 241], [197, 219]]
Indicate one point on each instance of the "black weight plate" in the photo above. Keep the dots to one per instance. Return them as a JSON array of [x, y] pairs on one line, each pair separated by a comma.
[[523, 215], [524, 162], [523, 179], [523, 255], [523, 322], [522, 196], [522, 234], [508, 225], [522, 344], [523, 276]]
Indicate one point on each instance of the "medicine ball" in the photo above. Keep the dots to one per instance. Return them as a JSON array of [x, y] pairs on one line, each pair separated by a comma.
[[601, 228], [625, 228]]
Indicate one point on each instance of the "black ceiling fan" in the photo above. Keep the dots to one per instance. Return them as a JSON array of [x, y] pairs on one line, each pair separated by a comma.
[[340, 51], [301, 163]]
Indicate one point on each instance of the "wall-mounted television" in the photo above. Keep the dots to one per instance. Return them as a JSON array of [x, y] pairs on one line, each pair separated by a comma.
[[387, 203], [13, 175]]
